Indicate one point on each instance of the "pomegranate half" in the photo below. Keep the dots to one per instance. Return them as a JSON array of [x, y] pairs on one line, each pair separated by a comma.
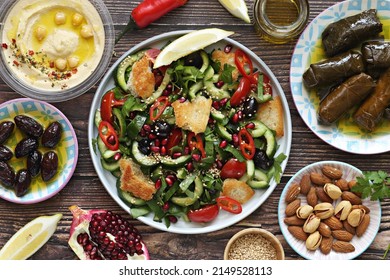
[[100, 234]]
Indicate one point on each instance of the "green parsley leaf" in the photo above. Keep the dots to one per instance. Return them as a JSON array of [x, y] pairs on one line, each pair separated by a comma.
[[278, 166], [373, 184], [226, 75]]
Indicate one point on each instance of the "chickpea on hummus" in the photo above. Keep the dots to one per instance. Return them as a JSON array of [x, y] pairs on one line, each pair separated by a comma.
[[53, 44]]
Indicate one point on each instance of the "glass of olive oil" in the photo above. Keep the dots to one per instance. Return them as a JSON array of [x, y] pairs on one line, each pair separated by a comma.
[[279, 21]]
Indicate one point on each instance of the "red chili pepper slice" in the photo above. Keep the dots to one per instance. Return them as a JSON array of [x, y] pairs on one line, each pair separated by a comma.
[[247, 144], [244, 64], [242, 91], [151, 10], [195, 142], [204, 214], [109, 136], [158, 107], [174, 139], [229, 204], [109, 101]]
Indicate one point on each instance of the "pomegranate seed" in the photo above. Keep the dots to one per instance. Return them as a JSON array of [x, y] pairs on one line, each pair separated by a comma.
[[151, 136], [117, 156], [235, 118], [223, 144], [172, 219], [182, 99], [196, 157], [111, 139], [155, 149], [164, 142], [228, 48], [216, 104], [219, 84], [235, 139], [176, 155], [166, 206], [147, 128], [211, 121], [169, 87], [190, 166], [223, 101], [163, 151], [250, 125], [186, 150], [142, 132], [157, 142], [169, 181], [240, 115], [219, 164], [172, 177], [157, 185]]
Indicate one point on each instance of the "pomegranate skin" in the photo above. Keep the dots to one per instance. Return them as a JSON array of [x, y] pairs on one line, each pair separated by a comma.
[[100, 234]]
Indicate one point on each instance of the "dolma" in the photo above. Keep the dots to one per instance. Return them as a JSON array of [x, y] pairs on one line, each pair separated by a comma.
[[344, 97], [376, 55], [370, 113], [333, 70], [346, 33]]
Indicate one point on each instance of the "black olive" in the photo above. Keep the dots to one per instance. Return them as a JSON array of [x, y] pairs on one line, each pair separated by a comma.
[[5, 153], [7, 174], [49, 165], [6, 129], [250, 107], [34, 162], [261, 160], [161, 129], [194, 59], [29, 126], [52, 135], [25, 146], [22, 182], [144, 146]]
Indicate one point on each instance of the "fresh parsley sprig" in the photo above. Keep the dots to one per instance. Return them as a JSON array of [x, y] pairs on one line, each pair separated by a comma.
[[373, 184]]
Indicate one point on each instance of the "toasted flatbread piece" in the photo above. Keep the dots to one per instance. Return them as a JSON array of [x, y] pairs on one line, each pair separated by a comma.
[[141, 80], [271, 114], [225, 58], [134, 181], [194, 115], [237, 190]]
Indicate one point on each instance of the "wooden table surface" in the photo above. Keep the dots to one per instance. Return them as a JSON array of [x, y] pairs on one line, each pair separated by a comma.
[[86, 190]]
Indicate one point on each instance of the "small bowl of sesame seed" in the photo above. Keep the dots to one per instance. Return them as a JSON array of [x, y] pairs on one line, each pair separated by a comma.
[[254, 244]]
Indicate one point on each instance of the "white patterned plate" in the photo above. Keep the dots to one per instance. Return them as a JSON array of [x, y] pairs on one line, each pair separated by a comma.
[[360, 243], [344, 135], [66, 149]]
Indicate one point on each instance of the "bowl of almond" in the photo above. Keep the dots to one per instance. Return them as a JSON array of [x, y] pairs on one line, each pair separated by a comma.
[[322, 217]]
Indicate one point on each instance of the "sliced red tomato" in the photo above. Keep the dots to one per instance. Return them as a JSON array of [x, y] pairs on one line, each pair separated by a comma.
[[158, 107], [244, 87], [229, 204], [196, 142], [174, 139], [247, 144], [204, 214], [109, 136], [108, 102], [233, 169]]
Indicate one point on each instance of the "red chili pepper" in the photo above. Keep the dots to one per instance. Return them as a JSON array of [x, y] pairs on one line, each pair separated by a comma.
[[174, 139], [244, 64], [204, 214], [267, 88], [244, 87], [109, 136], [195, 142], [149, 11], [109, 101], [229, 204], [158, 107], [247, 145]]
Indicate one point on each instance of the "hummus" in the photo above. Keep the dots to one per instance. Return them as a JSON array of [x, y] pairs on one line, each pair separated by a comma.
[[53, 45]]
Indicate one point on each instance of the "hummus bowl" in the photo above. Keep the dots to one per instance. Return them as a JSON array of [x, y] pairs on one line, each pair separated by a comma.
[[54, 50], [66, 149]]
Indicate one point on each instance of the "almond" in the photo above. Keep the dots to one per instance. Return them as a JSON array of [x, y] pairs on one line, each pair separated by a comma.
[[319, 179], [292, 207], [333, 223], [292, 192], [293, 221], [342, 235], [342, 184], [349, 228], [322, 195], [326, 245], [325, 230], [305, 184], [361, 229], [311, 197], [298, 232], [332, 172], [343, 247], [351, 197]]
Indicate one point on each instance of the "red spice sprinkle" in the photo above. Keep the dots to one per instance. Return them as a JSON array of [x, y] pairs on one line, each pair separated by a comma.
[[51, 64], [13, 41], [74, 71], [4, 45], [31, 52], [16, 63]]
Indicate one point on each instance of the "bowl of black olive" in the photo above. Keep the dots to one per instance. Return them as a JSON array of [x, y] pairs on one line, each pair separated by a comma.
[[38, 151]]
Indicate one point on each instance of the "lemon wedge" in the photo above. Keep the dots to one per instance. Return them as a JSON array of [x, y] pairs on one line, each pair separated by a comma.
[[189, 43], [237, 8], [27, 240]]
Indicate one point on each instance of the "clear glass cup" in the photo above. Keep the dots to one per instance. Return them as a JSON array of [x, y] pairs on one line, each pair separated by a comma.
[[280, 21]]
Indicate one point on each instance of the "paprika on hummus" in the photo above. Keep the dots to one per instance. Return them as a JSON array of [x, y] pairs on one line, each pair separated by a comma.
[[53, 44]]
